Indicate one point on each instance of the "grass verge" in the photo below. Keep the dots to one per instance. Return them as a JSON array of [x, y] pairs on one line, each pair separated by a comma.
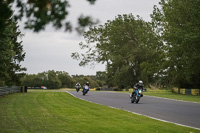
[[45, 111]]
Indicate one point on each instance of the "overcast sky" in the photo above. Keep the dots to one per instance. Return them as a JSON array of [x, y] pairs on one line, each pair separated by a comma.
[[51, 50]]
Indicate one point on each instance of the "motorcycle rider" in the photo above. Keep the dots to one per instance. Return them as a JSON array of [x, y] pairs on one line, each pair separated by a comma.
[[138, 85], [87, 83], [78, 85]]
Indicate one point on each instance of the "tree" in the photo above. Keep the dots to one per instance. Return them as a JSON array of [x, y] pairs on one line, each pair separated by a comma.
[[123, 44], [40, 13], [65, 79], [53, 81], [28, 80], [101, 78], [10, 48], [177, 22]]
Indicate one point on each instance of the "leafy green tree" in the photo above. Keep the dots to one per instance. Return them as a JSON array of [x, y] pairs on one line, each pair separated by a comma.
[[101, 75], [124, 44], [101, 78], [78, 78], [10, 48], [53, 81], [65, 79], [39, 13], [28, 80], [177, 22]]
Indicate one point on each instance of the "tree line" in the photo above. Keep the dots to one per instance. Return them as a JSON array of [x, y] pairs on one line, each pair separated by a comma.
[[61, 79], [163, 52]]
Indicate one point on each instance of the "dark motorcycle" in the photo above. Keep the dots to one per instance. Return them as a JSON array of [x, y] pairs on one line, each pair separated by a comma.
[[136, 96], [85, 89]]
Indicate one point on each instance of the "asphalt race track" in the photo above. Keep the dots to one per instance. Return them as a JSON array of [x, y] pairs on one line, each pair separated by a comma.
[[178, 112]]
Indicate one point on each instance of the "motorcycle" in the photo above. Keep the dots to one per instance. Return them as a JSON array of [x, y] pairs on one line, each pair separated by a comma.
[[136, 96], [85, 89], [78, 88]]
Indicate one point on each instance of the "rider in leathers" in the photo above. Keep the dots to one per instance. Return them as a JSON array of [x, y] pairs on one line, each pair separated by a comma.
[[78, 85], [138, 85]]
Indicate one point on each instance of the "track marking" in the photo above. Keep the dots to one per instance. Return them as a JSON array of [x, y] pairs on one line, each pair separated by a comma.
[[141, 114]]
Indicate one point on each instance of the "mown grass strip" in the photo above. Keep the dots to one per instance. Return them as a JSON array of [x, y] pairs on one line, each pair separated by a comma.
[[51, 111]]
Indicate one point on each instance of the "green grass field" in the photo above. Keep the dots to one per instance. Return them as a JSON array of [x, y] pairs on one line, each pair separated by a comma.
[[46, 111]]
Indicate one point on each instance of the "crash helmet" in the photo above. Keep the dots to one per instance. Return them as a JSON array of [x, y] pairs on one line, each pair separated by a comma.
[[140, 82]]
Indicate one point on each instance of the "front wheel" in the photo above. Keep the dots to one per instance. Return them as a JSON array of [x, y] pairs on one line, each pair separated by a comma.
[[138, 99], [84, 92], [133, 99]]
